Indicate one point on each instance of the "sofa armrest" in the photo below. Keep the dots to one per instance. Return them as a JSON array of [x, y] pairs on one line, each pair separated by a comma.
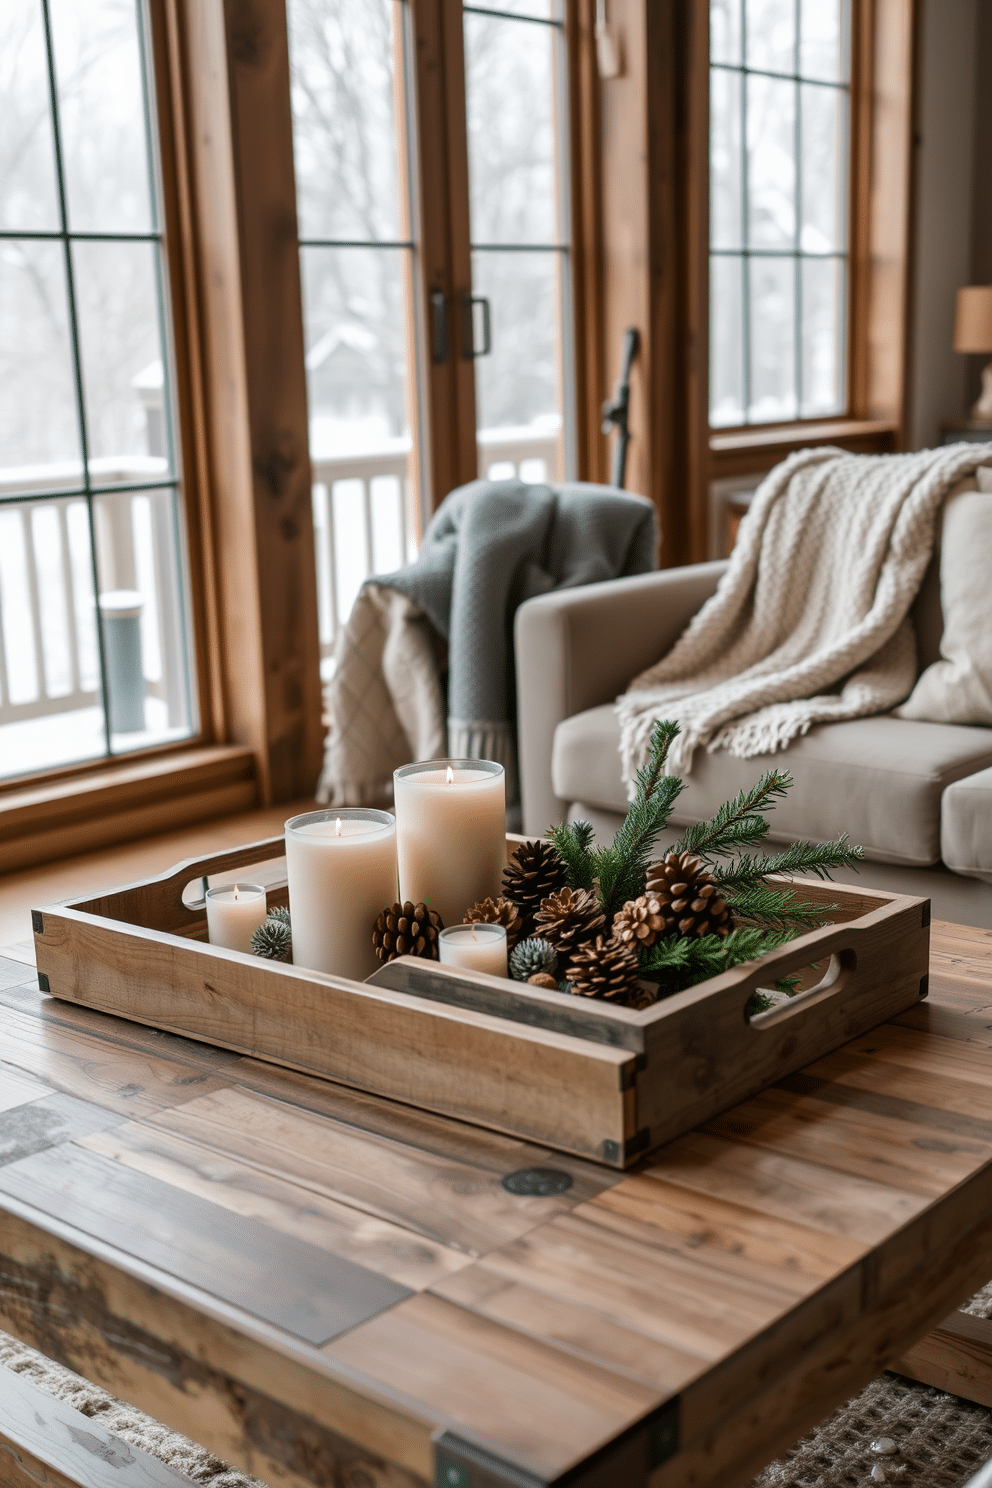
[[578, 648]]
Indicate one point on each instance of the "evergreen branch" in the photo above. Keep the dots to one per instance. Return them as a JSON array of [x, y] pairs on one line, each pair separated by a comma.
[[620, 868], [677, 962], [799, 857], [775, 908], [571, 841], [738, 822]]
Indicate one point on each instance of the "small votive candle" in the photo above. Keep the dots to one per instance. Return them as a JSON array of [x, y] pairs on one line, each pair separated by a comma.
[[450, 833], [234, 912], [341, 866], [476, 947]]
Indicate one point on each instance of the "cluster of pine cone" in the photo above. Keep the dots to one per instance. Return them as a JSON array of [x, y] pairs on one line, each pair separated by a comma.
[[597, 959], [558, 936]]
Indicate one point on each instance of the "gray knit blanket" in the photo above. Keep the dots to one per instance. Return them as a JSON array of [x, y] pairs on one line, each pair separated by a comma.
[[489, 546], [810, 622]]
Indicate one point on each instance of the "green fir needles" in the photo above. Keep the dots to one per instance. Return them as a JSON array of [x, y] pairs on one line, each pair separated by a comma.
[[710, 858]]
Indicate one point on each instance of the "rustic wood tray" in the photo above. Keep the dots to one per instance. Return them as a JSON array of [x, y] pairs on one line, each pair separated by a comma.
[[581, 1076]]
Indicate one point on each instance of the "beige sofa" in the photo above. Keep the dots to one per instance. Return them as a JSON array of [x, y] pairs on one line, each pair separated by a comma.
[[917, 796]]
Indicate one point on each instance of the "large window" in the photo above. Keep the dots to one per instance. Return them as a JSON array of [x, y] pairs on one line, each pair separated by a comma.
[[94, 655], [779, 188]]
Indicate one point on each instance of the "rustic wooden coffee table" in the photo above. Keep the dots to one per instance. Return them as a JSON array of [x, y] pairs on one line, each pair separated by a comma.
[[325, 1287]]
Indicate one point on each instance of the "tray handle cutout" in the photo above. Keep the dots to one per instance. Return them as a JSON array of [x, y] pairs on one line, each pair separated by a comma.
[[841, 967]]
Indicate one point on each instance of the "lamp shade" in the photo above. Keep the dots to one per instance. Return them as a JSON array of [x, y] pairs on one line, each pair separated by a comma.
[[973, 324]]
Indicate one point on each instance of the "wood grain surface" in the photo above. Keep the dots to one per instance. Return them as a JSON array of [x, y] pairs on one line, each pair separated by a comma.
[[319, 1283]]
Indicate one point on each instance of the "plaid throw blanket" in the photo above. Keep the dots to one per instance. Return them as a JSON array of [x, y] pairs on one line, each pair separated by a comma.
[[810, 623]]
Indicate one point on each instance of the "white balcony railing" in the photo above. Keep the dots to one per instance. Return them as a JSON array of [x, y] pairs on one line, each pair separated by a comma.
[[49, 664]]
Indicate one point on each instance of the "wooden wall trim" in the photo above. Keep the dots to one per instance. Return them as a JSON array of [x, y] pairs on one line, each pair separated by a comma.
[[586, 192], [440, 221]]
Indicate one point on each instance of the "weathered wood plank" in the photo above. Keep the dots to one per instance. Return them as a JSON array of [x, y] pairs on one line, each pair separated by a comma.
[[86, 1066], [252, 1394], [49, 1122], [44, 1443], [537, 1405], [956, 1356], [449, 1202], [292, 1208], [16, 1087], [310, 1293]]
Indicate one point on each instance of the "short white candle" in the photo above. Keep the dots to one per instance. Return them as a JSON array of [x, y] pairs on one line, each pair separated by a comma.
[[479, 947], [233, 913], [450, 834], [341, 867]]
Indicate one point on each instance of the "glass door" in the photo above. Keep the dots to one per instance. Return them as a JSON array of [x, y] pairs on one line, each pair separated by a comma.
[[520, 325]]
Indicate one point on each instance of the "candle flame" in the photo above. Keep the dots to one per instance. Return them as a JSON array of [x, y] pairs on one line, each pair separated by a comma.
[[449, 778], [235, 891], [337, 827]]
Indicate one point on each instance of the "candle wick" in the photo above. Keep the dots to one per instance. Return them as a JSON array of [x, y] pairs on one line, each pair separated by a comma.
[[235, 891], [449, 778], [338, 827]]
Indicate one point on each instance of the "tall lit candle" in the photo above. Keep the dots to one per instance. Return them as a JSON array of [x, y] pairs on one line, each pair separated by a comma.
[[477, 947], [234, 912], [450, 833], [341, 867]]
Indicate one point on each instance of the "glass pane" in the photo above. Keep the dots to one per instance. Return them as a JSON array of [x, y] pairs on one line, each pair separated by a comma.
[[356, 351], [772, 316], [142, 619], [771, 35], [771, 162], [121, 352], [824, 174], [725, 159], [29, 196], [545, 10], [823, 39], [726, 342], [823, 336], [104, 140], [725, 31], [511, 138], [342, 60], [518, 401], [38, 420]]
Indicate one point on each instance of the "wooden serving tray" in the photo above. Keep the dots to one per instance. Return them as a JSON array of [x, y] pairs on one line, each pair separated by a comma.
[[571, 1073]]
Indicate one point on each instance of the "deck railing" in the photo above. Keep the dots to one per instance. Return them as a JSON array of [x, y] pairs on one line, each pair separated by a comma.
[[364, 524]]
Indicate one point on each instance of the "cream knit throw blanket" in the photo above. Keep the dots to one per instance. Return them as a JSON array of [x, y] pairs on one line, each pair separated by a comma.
[[810, 623]]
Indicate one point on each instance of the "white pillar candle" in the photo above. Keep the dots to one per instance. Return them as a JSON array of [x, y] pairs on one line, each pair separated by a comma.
[[450, 834], [478, 947], [341, 867], [233, 912]]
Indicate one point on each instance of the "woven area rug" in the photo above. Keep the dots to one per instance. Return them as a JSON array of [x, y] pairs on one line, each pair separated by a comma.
[[940, 1441]]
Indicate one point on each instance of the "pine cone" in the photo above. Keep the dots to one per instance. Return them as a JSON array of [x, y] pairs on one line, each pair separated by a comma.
[[497, 912], [608, 969], [532, 957], [543, 979], [273, 940], [406, 930], [536, 872], [690, 900], [639, 922], [569, 919]]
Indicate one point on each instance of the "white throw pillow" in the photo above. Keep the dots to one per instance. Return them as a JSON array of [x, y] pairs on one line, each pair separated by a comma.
[[958, 689]]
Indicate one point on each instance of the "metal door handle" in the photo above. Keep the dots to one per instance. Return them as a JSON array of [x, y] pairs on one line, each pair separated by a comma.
[[469, 349]]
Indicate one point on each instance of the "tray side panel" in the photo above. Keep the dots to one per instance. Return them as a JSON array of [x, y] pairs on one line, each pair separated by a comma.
[[529, 1082], [704, 1057]]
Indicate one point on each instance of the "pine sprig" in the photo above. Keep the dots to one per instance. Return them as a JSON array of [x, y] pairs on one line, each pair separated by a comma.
[[571, 841], [799, 857], [738, 823], [679, 961], [620, 868], [776, 908]]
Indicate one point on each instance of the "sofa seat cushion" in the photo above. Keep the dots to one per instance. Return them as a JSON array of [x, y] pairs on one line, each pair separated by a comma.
[[966, 826], [879, 779]]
